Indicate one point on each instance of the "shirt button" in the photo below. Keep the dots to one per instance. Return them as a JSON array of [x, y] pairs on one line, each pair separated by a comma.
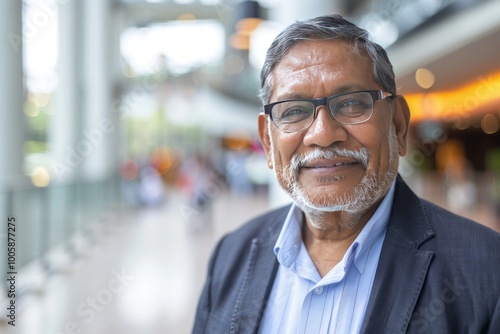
[[318, 290]]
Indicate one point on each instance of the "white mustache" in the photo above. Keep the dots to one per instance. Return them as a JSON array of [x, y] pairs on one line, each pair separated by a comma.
[[299, 161]]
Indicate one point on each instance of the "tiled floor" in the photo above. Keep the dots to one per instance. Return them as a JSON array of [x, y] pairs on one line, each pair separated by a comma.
[[143, 275], [143, 272]]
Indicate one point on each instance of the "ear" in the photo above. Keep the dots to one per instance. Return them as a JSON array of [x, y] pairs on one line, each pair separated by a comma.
[[401, 119], [264, 137]]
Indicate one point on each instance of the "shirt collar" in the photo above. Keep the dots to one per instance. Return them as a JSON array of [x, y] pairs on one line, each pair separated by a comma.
[[289, 241], [374, 230], [287, 246]]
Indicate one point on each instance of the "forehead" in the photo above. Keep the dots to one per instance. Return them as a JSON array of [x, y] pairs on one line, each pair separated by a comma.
[[321, 67]]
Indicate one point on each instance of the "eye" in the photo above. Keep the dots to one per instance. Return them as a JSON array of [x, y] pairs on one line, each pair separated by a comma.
[[291, 113], [295, 112], [351, 107]]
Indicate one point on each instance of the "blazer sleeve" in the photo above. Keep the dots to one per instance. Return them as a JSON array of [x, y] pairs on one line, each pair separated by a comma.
[[204, 304]]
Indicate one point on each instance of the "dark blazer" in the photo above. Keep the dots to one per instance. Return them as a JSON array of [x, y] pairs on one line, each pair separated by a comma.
[[437, 273]]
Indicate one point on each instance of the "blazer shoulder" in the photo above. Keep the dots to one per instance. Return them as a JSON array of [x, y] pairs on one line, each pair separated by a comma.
[[451, 224], [463, 247], [262, 226], [243, 253], [233, 250]]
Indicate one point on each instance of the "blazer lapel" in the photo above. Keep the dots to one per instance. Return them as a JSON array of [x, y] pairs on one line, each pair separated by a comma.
[[402, 266], [258, 282]]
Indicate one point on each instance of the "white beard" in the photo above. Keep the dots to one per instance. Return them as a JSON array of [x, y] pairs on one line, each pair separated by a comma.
[[362, 197]]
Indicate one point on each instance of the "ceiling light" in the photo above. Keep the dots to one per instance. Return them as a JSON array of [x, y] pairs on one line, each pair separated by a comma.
[[425, 78]]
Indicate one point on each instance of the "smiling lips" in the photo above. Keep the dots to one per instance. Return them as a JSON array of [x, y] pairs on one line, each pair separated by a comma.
[[338, 164]]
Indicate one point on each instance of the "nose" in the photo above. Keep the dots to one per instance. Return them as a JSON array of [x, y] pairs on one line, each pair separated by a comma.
[[324, 130]]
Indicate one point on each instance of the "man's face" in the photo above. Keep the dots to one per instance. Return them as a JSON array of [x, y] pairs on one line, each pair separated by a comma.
[[331, 166]]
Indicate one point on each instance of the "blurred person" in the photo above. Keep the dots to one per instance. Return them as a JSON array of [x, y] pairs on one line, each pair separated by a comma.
[[201, 182], [458, 173], [237, 173], [151, 188], [357, 251]]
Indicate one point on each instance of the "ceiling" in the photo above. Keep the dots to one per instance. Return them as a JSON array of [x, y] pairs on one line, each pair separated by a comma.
[[458, 50], [139, 12]]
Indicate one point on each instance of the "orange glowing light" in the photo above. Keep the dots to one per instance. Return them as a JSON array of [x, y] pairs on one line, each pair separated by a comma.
[[248, 25], [161, 159], [474, 97], [240, 41], [40, 177]]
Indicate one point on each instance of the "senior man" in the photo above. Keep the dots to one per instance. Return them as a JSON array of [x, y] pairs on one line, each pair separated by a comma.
[[357, 251]]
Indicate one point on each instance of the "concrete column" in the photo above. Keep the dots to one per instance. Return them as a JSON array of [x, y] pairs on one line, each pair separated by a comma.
[[118, 138], [64, 129], [97, 126], [12, 122]]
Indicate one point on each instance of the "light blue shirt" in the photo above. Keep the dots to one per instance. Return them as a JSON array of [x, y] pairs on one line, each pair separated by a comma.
[[303, 302]]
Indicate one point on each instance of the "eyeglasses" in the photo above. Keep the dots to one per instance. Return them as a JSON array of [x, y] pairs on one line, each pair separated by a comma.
[[347, 108]]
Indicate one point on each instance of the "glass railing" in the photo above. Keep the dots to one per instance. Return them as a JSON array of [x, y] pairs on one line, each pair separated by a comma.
[[50, 217]]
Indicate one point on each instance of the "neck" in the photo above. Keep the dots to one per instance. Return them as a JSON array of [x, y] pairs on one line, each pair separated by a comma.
[[328, 235], [330, 228], [337, 224]]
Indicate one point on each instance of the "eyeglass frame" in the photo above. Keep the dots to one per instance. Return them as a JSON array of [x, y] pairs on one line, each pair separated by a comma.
[[324, 101]]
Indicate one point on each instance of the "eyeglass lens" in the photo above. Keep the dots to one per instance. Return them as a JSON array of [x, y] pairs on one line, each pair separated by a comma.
[[291, 116]]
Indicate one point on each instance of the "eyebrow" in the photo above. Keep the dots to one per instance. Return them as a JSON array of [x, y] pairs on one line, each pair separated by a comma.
[[338, 90], [350, 88], [291, 96]]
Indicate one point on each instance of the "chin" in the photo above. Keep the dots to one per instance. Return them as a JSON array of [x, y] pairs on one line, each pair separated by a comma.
[[355, 200], [347, 203]]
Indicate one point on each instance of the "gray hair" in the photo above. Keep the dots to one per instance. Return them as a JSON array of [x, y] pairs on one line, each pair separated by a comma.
[[326, 27]]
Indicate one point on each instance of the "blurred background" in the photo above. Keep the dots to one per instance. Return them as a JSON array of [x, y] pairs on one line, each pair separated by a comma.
[[129, 145]]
